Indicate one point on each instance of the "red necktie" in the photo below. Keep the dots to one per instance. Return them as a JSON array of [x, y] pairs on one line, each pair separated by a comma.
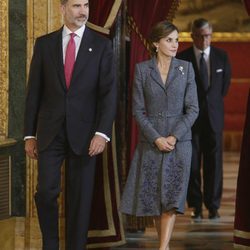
[[69, 59]]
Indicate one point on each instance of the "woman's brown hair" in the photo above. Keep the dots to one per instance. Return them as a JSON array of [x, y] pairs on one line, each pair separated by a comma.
[[159, 31]]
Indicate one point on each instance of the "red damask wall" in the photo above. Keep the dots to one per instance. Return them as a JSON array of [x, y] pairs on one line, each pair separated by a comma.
[[236, 99]]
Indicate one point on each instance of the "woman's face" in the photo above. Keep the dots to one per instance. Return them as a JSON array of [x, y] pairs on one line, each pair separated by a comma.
[[168, 45]]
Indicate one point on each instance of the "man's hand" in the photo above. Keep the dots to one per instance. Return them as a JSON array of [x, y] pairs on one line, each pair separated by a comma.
[[31, 148], [166, 144], [97, 145]]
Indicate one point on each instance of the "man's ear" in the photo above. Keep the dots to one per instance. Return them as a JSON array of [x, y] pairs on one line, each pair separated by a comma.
[[62, 9]]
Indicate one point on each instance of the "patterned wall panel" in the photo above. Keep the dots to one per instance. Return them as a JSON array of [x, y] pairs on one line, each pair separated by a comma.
[[4, 83]]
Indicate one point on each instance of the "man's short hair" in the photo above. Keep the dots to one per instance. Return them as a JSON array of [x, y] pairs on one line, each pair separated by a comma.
[[63, 2], [200, 23]]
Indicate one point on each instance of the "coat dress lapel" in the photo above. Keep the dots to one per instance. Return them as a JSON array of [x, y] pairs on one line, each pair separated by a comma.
[[172, 73], [155, 73]]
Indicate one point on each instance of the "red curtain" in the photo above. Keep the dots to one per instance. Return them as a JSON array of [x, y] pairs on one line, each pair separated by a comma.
[[242, 203], [142, 15], [103, 14], [106, 227], [99, 11], [247, 5], [242, 207]]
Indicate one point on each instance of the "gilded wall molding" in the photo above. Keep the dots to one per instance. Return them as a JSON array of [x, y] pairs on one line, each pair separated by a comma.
[[220, 37], [43, 16], [4, 68]]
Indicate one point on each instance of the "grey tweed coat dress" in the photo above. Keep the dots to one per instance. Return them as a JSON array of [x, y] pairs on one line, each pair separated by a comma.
[[157, 181]]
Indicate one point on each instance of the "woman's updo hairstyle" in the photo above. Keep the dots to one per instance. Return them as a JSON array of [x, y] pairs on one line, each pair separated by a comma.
[[159, 31]]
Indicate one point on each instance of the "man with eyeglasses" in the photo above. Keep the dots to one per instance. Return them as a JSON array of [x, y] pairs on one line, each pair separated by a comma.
[[212, 73]]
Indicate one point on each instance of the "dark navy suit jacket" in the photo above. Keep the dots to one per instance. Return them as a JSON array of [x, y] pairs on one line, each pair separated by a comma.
[[211, 101], [89, 104]]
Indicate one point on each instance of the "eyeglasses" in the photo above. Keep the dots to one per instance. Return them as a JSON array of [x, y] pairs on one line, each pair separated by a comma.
[[200, 36]]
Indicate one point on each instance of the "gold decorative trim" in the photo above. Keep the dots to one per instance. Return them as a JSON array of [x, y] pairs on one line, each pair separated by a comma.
[[110, 20], [242, 234], [98, 28], [110, 232], [7, 142], [132, 24], [241, 247], [117, 186], [111, 228], [220, 37], [4, 68], [172, 10], [113, 13], [240, 80]]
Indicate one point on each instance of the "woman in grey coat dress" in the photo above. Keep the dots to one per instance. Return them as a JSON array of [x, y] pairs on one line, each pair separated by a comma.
[[165, 107]]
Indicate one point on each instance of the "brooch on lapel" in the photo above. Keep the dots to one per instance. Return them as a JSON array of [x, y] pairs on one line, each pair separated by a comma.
[[181, 69], [90, 49]]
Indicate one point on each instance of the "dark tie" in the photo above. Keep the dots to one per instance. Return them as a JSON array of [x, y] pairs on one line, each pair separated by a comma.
[[204, 72], [69, 59]]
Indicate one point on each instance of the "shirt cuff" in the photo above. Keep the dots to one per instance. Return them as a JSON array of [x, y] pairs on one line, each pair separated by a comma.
[[29, 137], [103, 135]]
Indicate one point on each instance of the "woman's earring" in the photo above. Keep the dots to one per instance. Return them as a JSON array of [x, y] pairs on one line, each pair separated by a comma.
[[156, 49]]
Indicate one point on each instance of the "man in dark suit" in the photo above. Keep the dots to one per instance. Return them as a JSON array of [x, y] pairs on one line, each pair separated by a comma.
[[70, 108], [212, 70]]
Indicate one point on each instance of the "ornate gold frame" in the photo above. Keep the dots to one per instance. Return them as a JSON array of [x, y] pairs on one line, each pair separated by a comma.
[[220, 36], [4, 68]]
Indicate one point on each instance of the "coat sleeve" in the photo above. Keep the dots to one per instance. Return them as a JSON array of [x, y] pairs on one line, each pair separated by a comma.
[[139, 108], [226, 76], [191, 106], [33, 92], [107, 91]]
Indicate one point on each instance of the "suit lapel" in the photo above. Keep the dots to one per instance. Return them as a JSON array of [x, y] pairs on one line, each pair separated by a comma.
[[212, 65], [194, 62], [57, 54], [84, 53]]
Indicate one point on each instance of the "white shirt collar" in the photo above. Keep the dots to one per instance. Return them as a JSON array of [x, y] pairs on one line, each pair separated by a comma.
[[79, 32], [198, 52]]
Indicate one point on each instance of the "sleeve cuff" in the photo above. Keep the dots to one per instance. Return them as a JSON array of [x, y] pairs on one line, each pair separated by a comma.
[[103, 135], [29, 137]]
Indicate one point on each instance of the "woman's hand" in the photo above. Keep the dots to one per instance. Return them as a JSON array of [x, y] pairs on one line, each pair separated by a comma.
[[166, 144]]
